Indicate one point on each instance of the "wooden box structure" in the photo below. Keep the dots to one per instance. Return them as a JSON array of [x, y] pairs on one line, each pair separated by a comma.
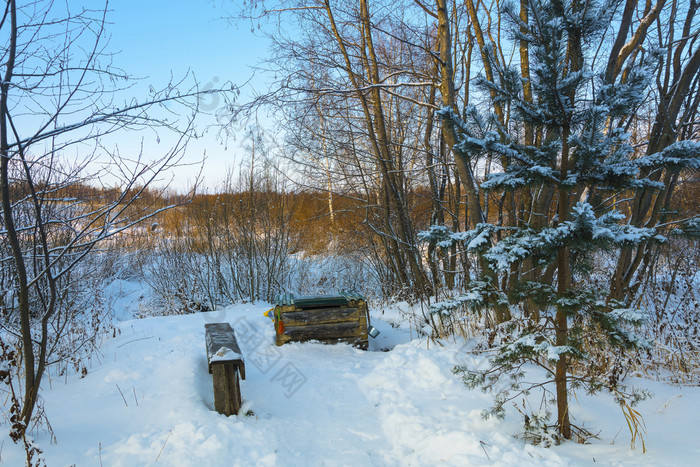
[[325, 318]]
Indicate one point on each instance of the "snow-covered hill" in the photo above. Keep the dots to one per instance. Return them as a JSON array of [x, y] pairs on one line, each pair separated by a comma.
[[147, 399]]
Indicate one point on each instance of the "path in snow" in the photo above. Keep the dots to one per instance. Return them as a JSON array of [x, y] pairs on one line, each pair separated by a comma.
[[148, 400]]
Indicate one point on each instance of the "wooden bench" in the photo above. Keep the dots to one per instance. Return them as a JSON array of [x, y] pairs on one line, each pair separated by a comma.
[[225, 362]]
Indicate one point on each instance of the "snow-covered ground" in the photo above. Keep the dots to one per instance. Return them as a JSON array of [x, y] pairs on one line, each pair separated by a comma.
[[147, 399]]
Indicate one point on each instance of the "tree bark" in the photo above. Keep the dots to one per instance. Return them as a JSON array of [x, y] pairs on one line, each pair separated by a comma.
[[449, 130]]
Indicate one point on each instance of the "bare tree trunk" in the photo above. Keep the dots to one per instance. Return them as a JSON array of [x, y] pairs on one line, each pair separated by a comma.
[[30, 377], [402, 242], [471, 187], [680, 80], [391, 174], [563, 284], [437, 216]]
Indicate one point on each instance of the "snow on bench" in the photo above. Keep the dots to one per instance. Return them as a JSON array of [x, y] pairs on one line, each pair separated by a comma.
[[225, 362]]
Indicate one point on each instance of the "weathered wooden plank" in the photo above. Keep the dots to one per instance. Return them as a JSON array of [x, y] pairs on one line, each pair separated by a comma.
[[321, 316], [227, 390], [320, 301], [321, 331], [363, 325], [360, 342], [306, 301], [222, 346], [293, 308]]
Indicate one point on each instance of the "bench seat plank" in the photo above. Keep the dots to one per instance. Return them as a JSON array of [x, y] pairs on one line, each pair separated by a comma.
[[222, 346]]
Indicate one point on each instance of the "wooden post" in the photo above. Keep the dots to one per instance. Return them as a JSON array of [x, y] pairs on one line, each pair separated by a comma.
[[227, 390]]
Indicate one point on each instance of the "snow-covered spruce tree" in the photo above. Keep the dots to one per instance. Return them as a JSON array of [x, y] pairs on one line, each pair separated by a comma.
[[576, 158]]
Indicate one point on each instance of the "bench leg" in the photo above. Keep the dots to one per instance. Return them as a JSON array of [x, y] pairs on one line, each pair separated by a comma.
[[227, 390]]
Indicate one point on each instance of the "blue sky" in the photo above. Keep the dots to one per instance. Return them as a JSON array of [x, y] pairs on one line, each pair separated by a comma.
[[155, 38]]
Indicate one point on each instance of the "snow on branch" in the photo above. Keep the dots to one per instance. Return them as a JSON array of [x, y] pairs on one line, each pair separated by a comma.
[[584, 227], [474, 240], [679, 155]]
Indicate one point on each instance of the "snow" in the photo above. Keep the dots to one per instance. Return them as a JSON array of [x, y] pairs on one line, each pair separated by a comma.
[[529, 341], [630, 315], [147, 399], [681, 154], [446, 307], [125, 298], [225, 354]]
